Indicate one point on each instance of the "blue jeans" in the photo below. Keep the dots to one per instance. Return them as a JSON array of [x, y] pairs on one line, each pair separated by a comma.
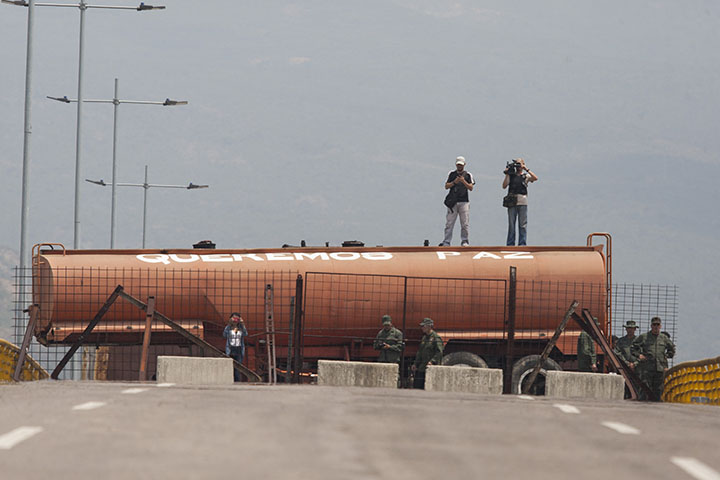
[[518, 212], [236, 353]]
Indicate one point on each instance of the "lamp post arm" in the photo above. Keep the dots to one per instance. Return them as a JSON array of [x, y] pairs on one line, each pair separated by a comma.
[[165, 103], [140, 8], [166, 186], [74, 100]]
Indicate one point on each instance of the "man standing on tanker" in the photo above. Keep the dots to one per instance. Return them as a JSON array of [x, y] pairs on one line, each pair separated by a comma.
[[517, 177], [652, 350], [389, 341], [430, 352], [459, 182]]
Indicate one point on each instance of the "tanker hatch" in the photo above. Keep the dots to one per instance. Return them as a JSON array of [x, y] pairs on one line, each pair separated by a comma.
[[353, 243]]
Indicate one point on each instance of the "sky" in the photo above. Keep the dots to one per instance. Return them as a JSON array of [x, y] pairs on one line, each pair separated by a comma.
[[328, 121]]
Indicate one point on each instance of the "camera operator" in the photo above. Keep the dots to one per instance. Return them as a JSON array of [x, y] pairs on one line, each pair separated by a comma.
[[517, 177]]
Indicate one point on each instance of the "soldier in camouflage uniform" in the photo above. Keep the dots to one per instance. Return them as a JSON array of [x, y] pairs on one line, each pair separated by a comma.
[[623, 345], [652, 350], [430, 352], [389, 341], [586, 355]]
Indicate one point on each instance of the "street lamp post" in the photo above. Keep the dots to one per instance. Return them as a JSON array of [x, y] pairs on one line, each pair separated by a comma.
[[82, 6], [116, 101], [146, 186]]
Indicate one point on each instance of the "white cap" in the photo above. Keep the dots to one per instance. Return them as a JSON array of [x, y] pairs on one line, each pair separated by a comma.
[[460, 161]]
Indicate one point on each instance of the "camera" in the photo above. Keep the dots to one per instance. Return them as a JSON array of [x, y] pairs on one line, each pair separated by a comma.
[[513, 167]]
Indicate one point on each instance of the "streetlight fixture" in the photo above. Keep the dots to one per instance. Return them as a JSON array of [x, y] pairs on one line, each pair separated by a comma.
[[146, 186], [116, 101], [82, 6]]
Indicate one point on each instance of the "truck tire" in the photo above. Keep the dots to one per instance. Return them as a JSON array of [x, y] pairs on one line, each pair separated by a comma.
[[464, 359], [522, 368]]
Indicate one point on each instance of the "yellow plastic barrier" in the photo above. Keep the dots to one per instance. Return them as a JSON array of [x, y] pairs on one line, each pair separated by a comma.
[[8, 359], [693, 382]]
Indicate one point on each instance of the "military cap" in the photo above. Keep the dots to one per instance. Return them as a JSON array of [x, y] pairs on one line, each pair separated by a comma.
[[655, 321], [386, 320], [427, 321], [630, 324]]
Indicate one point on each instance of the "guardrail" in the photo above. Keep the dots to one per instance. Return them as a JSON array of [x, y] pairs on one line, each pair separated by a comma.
[[8, 360], [693, 382]]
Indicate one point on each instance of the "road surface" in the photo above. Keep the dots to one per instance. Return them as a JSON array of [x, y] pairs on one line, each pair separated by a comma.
[[100, 430]]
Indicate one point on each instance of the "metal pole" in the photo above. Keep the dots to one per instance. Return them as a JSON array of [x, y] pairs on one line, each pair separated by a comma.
[[24, 209], [145, 188], [288, 368], [149, 312], [78, 132], [116, 102], [510, 352], [297, 361]]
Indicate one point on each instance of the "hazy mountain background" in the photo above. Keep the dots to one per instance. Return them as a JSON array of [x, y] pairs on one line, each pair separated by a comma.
[[329, 121]]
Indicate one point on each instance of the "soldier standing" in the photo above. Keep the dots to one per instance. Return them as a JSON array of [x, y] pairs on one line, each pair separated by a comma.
[[586, 356], [652, 350], [623, 345], [389, 341], [429, 352]]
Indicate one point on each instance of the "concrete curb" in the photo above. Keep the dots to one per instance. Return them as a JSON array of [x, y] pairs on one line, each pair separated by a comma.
[[444, 378], [584, 385], [194, 370], [357, 374]]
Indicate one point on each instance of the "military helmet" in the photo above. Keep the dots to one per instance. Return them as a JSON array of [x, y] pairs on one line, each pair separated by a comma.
[[427, 321]]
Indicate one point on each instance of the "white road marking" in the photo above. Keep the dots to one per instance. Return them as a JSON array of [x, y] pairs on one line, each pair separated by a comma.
[[163, 385], [20, 434], [526, 397], [622, 428], [134, 390], [695, 468], [565, 408], [89, 406]]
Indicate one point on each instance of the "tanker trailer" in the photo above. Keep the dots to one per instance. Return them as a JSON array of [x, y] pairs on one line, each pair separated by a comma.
[[344, 293]]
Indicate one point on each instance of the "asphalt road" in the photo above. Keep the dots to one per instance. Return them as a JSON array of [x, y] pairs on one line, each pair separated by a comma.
[[58, 430]]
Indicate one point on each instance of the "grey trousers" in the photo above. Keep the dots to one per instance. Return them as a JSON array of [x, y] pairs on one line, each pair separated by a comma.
[[461, 209]]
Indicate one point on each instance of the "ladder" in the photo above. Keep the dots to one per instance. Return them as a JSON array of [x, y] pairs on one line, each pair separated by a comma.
[[270, 334]]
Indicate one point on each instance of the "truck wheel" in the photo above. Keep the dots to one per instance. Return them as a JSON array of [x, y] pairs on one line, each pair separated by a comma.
[[522, 369], [464, 359]]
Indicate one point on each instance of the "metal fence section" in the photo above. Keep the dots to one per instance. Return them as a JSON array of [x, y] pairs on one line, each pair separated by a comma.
[[475, 315], [641, 302], [199, 300], [341, 314]]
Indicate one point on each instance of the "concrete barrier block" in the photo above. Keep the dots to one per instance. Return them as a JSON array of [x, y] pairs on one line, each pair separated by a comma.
[[445, 378], [357, 374], [194, 370], [602, 386]]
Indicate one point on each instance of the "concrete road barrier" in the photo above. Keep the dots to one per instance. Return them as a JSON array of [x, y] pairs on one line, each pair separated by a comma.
[[194, 370], [444, 378], [602, 386], [357, 374]]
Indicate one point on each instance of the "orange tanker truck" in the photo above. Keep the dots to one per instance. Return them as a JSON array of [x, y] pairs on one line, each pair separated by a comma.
[[327, 302]]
